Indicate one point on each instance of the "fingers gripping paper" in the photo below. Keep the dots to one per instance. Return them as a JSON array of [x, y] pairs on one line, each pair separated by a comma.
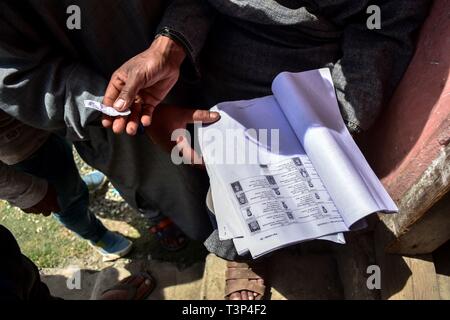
[[110, 111]]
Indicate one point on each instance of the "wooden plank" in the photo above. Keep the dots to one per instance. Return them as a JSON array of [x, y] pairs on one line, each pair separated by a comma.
[[424, 279], [415, 205], [415, 126], [409, 146], [441, 259], [444, 286], [396, 283], [402, 277], [428, 233]]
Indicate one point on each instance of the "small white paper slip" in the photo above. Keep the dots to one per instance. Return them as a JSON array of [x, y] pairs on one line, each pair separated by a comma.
[[110, 111]]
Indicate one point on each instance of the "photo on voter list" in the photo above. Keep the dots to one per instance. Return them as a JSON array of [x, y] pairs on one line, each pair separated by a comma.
[[202, 151]]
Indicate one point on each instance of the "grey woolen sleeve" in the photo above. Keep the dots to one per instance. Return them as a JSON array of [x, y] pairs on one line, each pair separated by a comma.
[[41, 87], [373, 61]]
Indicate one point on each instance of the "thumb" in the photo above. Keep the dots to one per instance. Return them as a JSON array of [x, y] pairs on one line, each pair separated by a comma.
[[128, 94], [205, 116], [189, 155]]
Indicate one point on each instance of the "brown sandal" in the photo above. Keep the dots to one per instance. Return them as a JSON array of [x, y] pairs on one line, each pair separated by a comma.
[[165, 230], [238, 276]]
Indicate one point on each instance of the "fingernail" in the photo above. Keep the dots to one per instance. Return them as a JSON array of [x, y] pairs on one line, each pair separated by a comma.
[[119, 104], [213, 115], [147, 124]]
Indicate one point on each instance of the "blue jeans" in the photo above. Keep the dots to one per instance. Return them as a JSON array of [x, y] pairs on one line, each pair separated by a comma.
[[54, 163]]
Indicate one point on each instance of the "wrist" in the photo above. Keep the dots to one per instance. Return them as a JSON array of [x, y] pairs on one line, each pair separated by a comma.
[[169, 48]]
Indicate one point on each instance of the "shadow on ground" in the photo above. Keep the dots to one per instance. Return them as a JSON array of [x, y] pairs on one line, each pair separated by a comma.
[[118, 216]]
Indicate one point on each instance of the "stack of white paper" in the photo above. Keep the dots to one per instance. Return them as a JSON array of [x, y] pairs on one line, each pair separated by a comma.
[[284, 168]]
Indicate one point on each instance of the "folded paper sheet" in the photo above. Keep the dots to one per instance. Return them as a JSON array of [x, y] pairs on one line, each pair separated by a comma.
[[284, 168]]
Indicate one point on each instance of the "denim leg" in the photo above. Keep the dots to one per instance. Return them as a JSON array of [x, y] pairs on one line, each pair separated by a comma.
[[54, 163]]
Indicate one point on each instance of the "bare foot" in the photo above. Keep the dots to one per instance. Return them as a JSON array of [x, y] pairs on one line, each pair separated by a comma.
[[244, 294], [135, 287]]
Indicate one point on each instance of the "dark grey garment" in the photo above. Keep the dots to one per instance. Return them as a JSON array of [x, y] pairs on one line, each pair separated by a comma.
[[223, 248], [251, 41], [47, 70], [17, 140]]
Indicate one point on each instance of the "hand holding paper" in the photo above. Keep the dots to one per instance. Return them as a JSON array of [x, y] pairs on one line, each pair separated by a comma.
[[148, 77], [109, 111]]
